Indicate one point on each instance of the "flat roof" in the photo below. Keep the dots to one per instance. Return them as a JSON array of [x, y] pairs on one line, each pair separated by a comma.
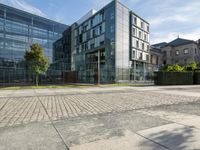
[[31, 14]]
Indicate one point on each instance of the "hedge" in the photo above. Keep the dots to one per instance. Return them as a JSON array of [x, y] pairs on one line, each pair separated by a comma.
[[197, 77], [174, 78]]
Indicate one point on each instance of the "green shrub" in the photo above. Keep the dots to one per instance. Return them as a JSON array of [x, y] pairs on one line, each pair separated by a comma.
[[191, 67], [172, 68]]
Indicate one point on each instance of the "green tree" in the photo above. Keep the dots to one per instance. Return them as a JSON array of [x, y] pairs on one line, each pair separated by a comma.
[[37, 62]]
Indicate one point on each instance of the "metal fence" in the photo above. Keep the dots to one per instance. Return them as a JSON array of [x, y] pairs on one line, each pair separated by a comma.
[[14, 77], [111, 75]]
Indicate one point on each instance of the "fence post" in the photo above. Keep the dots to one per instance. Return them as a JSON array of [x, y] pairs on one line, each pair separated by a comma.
[[24, 72], [4, 78]]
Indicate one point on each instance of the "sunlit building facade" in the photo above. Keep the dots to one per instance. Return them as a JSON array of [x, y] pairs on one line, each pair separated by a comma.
[[19, 29], [112, 43]]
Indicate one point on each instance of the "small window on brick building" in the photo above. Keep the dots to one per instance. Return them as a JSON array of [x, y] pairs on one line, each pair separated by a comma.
[[177, 52], [186, 51]]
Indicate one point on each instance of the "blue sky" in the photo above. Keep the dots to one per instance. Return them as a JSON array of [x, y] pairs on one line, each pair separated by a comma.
[[168, 18]]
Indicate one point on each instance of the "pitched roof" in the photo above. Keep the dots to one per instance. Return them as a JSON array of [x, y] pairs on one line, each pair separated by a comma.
[[160, 45], [179, 41], [155, 49]]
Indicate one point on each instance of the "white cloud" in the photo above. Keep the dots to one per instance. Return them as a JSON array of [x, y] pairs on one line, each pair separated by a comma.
[[22, 5], [169, 36], [184, 13], [170, 19], [157, 21]]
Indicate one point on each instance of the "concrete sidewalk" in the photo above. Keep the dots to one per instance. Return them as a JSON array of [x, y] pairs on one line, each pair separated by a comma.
[[183, 133], [186, 90], [61, 91]]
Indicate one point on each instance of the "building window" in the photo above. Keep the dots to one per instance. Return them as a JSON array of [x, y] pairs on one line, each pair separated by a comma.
[[133, 32], [101, 43], [92, 46], [100, 29], [93, 33], [142, 46], [148, 28], [177, 52], [140, 34], [140, 56], [147, 57], [85, 28], [135, 20], [145, 37], [186, 51], [137, 44], [91, 22], [148, 48], [133, 54], [151, 59], [142, 25], [101, 15]]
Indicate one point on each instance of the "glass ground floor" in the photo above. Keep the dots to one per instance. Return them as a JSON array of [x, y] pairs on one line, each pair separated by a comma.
[[93, 67], [96, 67]]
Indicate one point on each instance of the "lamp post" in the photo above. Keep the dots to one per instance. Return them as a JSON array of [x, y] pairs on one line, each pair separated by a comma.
[[99, 68]]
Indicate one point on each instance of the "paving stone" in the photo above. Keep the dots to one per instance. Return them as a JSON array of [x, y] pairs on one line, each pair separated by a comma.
[[22, 110], [19, 110]]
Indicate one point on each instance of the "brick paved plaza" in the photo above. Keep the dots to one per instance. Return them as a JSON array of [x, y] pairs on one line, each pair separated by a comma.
[[23, 110], [79, 117]]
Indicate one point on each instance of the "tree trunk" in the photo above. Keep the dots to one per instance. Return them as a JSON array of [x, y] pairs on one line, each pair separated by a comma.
[[36, 79]]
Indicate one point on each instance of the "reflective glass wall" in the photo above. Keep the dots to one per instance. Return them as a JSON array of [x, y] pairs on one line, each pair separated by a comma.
[[18, 30], [97, 33], [122, 42]]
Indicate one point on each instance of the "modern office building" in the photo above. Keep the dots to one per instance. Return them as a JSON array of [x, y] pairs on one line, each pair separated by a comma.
[[19, 29], [109, 45]]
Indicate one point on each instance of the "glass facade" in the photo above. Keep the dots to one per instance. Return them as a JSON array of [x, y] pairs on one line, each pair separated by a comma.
[[112, 44], [62, 52], [96, 34], [122, 42], [19, 29]]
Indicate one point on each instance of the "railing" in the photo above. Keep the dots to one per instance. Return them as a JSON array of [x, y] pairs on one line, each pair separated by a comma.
[[14, 77]]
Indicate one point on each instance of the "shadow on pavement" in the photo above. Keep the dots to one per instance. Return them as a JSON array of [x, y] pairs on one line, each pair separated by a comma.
[[178, 138]]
